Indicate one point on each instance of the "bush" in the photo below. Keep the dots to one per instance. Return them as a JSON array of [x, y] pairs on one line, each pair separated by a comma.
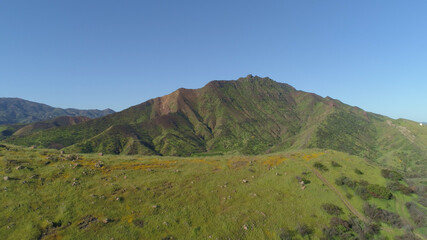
[[362, 192], [287, 234], [397, 186], [335, 164], [380, 215], [338, 229], [390, 174], [378, 191], [417, 214], [343, 180], [332, 209], [364, 230], [305, 230], [320, 166], [350, 229]]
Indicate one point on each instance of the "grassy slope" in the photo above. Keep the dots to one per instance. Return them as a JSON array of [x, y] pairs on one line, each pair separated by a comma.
[[195, 197]]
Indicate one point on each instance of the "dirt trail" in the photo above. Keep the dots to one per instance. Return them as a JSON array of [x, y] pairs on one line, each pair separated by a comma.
[[343, 198]]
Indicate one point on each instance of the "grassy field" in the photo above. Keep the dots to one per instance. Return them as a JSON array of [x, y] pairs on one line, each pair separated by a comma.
[[48, 195]]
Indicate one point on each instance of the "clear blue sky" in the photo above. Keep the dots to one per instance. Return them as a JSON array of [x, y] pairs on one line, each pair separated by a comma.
[[115, 54]]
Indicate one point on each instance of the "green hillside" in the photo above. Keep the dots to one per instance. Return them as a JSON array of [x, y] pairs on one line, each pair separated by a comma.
[[251, 115], [20, 130], [308, 194]]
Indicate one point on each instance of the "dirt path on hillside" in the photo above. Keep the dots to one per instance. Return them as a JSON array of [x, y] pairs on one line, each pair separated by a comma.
[[343, 199]]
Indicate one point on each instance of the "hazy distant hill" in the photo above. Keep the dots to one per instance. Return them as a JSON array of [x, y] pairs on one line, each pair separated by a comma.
[[16, 110]]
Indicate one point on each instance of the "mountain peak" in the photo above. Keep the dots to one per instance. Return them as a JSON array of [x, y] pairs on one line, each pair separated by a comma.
[[252, 78]]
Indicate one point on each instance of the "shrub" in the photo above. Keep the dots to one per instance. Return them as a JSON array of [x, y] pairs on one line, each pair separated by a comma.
[[362, 192], [364, 230], [417, 214], [363, 183], [338, 229], [378, 191], [380, 215], [343, 180], [305, 230], [350, 229], [320, 166], [335, 164], [390, 174], [287, 234], [393, 186], [332, 209], [397, 186]]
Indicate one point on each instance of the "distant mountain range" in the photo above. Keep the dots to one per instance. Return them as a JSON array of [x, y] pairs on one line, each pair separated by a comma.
[[250, 115], [20, 111]]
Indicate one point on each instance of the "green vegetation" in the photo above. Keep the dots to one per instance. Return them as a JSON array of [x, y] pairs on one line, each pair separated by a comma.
[[73, 196], [381, 215], [15, 110], [350, 229], [225, 190], [332, 209], [347, 132], [390, 174], [335, 164], [320, 166], [364, 189]]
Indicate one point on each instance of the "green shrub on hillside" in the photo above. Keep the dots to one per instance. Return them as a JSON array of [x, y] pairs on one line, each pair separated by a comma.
[[287, 234], [381, 215], [332, 209], [390, 174], [378, 191], [397, 186], [335, 164], [305, 230], [350, 229], [364, 189], [343, 180], [417, 214], [320, 166]]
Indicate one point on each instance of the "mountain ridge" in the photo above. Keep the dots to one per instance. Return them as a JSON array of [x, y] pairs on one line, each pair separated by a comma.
[[250, 115], [21, 111]]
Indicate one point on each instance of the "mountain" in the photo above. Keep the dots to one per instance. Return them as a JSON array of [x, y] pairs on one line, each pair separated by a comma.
[[27, 129], [20, 111], [250, 115], [57, 122]]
